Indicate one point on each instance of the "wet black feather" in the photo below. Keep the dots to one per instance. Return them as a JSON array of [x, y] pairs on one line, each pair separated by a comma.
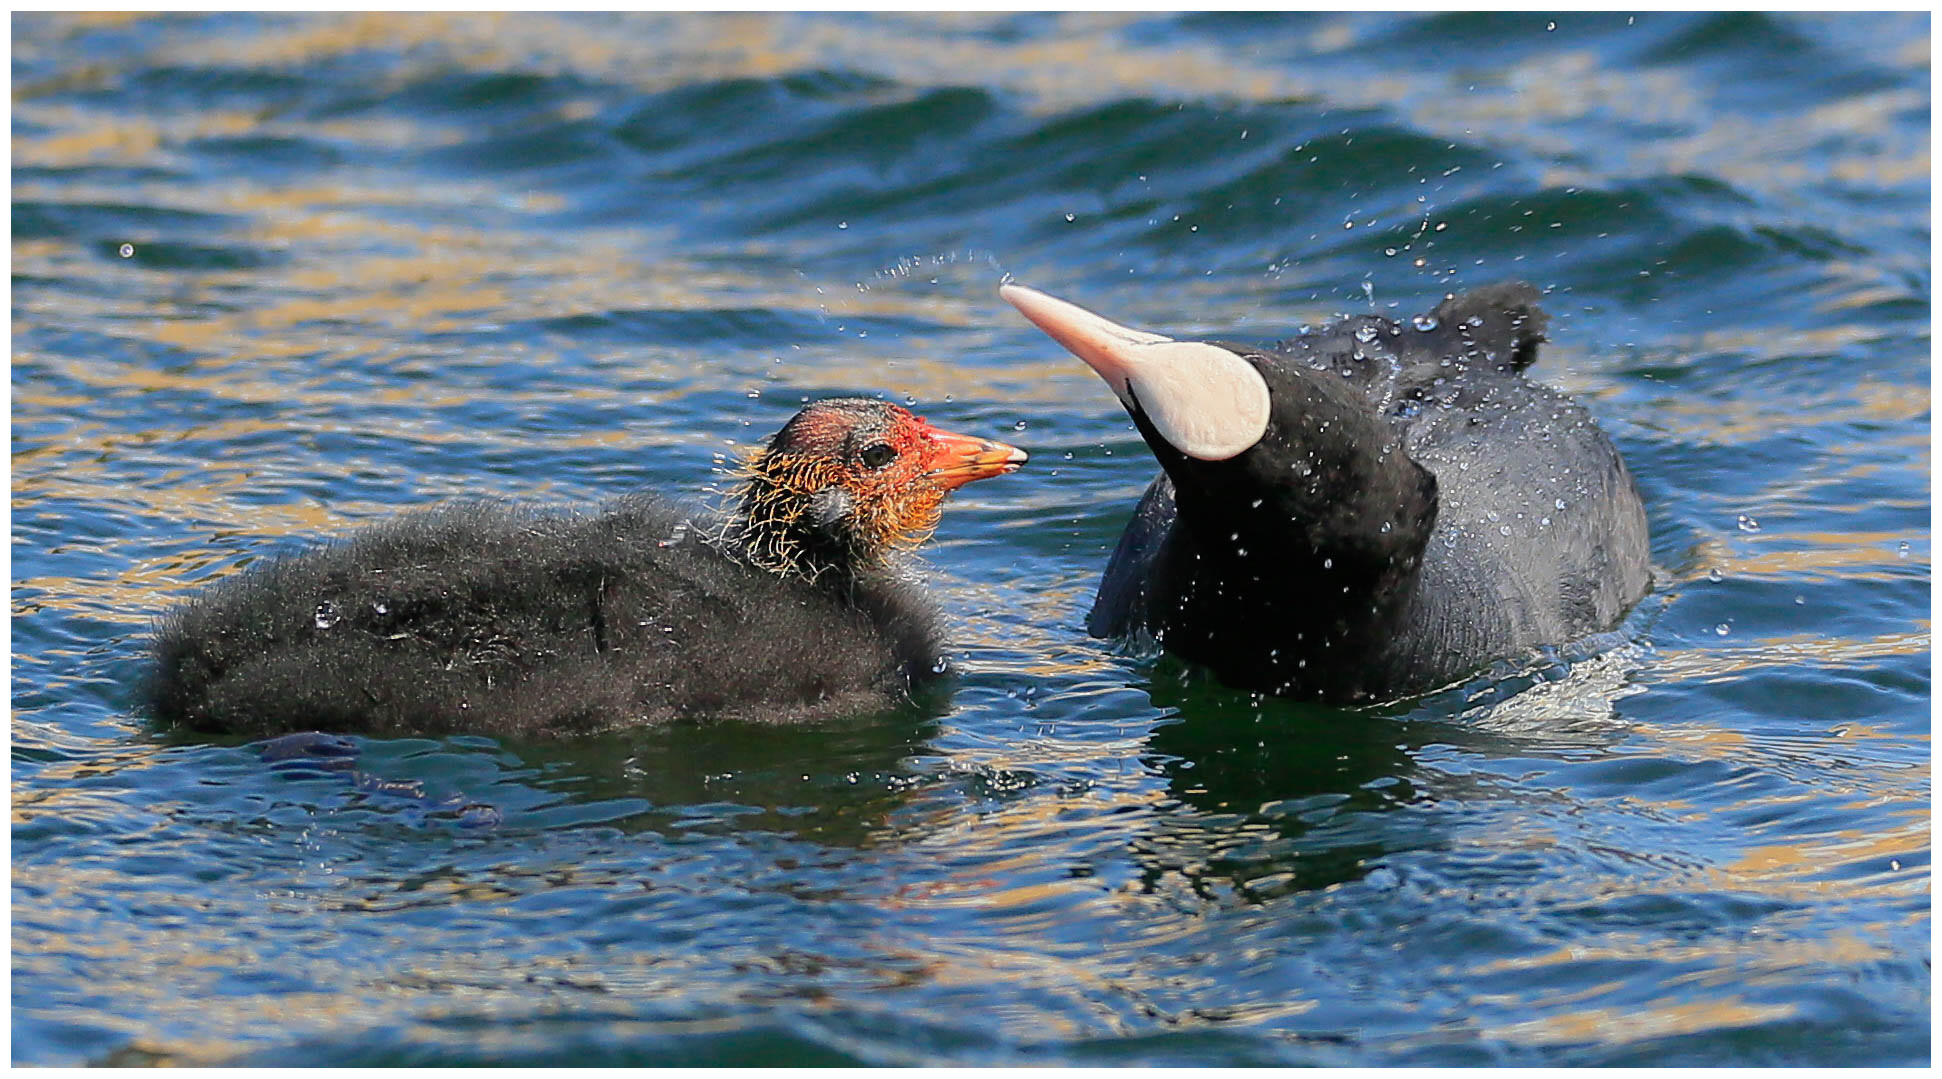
[[1416, 509]]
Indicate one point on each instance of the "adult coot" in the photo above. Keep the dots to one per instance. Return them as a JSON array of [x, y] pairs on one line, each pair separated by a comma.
[[1364, 512], [489, 618]]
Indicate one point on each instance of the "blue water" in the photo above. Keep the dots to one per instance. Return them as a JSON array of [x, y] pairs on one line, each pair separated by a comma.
[[275, 276]]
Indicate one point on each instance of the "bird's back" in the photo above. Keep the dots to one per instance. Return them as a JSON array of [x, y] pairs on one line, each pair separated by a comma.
[[1540, 534], [494, 619]]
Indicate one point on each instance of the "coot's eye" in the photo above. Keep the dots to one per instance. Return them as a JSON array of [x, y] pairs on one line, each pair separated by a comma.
[[878, 455]]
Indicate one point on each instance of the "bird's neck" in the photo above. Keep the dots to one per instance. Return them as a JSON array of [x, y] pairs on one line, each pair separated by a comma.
[[790, 525], [1314, 536], [1328, 489]]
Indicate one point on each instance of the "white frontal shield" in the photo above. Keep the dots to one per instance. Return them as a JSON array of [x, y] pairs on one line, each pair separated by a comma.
[[1207, 402]]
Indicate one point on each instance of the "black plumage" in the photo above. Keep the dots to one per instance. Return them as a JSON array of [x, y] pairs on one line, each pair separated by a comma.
[[1402, 506]]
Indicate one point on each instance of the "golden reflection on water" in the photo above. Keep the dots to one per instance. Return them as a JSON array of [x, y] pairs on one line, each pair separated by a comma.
[[1717, 662], [1637, 1022], [1839, 555], [1530, 99], [1720, 420], [452, 277]]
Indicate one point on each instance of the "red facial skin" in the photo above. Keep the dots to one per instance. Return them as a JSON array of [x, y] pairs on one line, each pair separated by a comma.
[[867, 476]]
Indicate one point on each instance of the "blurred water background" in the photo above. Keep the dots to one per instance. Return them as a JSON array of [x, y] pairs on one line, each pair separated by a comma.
[[278, 275]]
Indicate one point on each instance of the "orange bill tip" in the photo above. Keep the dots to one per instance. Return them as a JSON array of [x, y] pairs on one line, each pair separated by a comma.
[[955, 460]]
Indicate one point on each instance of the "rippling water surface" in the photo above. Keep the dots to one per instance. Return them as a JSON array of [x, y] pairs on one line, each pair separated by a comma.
[[276, 276]]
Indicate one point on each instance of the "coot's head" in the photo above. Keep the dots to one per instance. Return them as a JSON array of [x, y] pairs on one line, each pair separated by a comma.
[[1247, 434], [1193, 401], [848, 480]]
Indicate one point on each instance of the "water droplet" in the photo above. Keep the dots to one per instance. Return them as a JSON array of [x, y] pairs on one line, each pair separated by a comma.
[[128, 251], [1902, 550], [1503, 530], [1474, 321], [1714, 575], [1072, 217], [1722, 629], [842, 224], [1559, 504], [1748, 524], [1425, 323], [1550, 26], [1365, 333], [327, 615], [380, 607], [1019, 426]]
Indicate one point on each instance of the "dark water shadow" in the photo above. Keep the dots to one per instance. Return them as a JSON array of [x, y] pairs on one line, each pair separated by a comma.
[[1269, 796], [832, 782]]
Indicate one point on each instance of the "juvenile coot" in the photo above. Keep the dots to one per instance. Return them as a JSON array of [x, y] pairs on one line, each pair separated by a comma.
[[1365, 512], [494, 619]]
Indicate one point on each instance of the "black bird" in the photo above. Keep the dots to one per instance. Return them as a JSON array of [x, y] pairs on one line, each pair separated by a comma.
[[496, 619], [1366, 512]]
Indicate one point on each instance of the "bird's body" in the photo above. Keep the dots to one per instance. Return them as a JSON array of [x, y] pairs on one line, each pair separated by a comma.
[[496, 619], [1378, 510]]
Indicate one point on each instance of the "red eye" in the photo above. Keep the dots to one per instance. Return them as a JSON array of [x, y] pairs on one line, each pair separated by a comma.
[[878, 455]]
